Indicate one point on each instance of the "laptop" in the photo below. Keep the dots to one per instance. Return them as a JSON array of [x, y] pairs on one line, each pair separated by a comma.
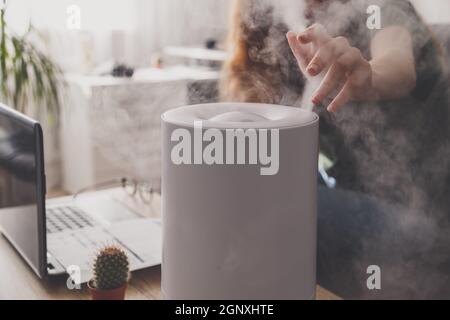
[[61, 235]]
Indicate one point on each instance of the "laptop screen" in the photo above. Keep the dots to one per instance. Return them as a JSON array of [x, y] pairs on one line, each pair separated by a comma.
[[20, 177]]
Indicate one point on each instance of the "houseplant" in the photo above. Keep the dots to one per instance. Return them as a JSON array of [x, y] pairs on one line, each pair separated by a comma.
[[111, 273], [29, 78], [32, 83]]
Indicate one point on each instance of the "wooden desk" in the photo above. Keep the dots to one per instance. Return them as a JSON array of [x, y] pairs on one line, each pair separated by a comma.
[[18, 281]]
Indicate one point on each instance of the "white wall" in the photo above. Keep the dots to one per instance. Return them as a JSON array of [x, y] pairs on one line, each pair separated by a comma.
[[139, 27], [433, 11], [180, 22]]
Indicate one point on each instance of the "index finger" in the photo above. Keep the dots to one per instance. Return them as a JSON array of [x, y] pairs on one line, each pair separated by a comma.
[[300, 53], [316, 34]]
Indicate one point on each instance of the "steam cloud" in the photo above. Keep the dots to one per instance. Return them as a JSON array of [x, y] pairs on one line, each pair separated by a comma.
[[384, 166], [413, 241], [414, 245]]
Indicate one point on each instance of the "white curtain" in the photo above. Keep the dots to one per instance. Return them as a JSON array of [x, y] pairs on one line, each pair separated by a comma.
[[126, 30], [180, 22]]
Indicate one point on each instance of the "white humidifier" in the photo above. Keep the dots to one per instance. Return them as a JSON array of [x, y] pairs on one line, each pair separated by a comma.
[[239, 196]]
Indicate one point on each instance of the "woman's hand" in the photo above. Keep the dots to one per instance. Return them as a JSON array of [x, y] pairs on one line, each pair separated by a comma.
[[346, 71]]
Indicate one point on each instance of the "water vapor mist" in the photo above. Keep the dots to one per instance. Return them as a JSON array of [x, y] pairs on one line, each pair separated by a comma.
[[413, 245]]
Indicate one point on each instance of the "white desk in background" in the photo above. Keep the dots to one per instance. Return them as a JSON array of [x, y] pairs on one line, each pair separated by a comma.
[[196, 53], [145, 75], [111, 126]]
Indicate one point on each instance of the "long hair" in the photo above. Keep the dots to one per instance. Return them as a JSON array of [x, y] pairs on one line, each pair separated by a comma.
[[261, 66]]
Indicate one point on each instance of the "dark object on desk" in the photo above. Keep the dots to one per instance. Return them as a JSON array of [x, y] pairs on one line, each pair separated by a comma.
[[210, 43], [121, 70]]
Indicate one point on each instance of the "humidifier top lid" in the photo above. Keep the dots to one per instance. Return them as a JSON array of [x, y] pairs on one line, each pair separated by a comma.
[[240, 115]]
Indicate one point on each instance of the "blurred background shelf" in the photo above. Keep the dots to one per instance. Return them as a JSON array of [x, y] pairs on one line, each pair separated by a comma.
[[115, 122]]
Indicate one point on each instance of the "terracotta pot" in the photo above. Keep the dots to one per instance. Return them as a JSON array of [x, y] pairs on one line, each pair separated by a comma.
[[113, 294]]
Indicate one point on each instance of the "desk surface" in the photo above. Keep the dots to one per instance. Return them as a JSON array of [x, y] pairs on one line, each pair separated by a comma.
[[17, 281]]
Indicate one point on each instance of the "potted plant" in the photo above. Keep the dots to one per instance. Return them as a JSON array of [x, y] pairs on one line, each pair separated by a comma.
[[111, 274], [30, 79], [32, 83]]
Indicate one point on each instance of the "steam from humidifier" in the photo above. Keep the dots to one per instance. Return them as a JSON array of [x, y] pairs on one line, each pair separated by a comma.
[[312, 84], [291, 13]]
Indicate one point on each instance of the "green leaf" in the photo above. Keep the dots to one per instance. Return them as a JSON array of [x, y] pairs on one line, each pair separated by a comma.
[[39, 89], [26, 73]]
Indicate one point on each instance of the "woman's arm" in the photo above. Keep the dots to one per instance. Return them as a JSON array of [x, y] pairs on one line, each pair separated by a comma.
[[393, 66], [390, 74]]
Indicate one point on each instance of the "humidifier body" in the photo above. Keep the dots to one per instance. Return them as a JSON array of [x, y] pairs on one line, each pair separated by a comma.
[[232, 230]]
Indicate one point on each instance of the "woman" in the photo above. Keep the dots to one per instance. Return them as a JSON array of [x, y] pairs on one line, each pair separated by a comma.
[[386, 90], [382, 97]]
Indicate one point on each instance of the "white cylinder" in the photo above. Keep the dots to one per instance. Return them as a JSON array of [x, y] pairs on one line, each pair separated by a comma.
[[237, 224]]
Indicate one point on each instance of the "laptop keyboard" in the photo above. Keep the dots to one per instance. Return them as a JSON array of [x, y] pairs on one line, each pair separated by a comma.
[[80, 247], [74, 237], [67, 218]]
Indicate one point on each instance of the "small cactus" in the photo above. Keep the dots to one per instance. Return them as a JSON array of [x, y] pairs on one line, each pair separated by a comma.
[[111, 268]]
